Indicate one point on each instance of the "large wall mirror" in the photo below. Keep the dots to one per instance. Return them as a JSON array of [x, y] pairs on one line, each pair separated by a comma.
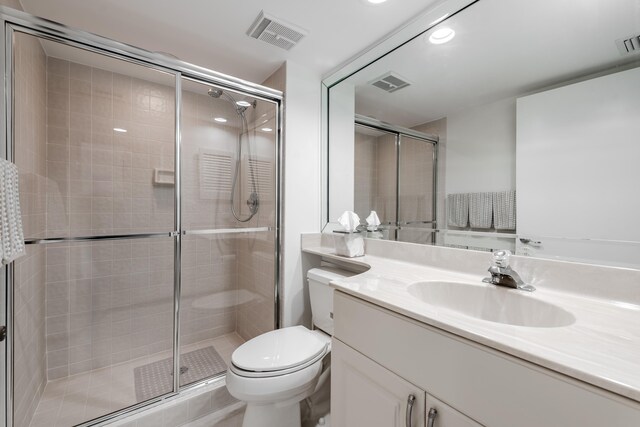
[[534, 107]]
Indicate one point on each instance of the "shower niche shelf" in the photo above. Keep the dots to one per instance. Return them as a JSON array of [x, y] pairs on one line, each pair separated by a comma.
[[164, 177]]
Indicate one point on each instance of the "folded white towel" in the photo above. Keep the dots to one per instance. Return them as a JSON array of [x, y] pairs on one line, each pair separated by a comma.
[[458, 210], [504, 210], [480, 210], [11, 234]]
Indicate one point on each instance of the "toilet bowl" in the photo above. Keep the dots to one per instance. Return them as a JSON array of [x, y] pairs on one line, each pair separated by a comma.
[[274, 371]]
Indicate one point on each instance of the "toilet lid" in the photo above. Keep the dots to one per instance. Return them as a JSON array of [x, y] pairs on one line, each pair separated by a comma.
[[278, 350]]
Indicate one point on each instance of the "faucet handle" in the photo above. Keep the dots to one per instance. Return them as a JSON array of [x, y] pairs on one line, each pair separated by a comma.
[[501, 258]]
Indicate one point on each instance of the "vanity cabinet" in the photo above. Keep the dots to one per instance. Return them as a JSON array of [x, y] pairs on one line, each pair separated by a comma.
[[365, 393], [380, 357]]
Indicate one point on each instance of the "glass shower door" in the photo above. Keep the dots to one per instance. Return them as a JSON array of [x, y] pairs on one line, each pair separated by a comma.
[[416, 190], [228, 215], [376, 181], [93, 298], [395, 175]]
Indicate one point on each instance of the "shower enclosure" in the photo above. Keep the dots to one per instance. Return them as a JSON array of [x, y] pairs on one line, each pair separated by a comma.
[[150, 204], [396, 176]]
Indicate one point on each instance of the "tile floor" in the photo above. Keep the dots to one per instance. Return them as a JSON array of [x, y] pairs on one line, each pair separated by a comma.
[[79, 398]]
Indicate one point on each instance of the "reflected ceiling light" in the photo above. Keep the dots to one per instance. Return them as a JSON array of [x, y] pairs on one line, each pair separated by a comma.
[[442, 18], [442, 35], [243, 104], [120, 130], [220, 119], [266, 129]]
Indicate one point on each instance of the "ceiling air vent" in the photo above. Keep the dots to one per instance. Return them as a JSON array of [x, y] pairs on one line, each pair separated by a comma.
[[275, 31], [390, 82], [629, 45]]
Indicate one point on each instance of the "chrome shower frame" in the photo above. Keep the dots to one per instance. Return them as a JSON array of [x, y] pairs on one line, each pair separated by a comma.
[[17, 21]]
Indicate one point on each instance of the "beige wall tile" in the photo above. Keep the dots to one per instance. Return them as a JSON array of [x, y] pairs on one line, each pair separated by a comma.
[[79, 72], [31, 151]]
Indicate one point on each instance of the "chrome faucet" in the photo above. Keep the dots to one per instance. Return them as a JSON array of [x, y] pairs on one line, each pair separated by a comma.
[[503, 275]]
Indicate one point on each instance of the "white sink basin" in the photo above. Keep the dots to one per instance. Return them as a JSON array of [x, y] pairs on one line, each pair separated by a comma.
[[492, 303]]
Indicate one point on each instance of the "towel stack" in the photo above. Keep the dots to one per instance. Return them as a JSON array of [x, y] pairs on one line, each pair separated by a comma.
[[11, 234], [483, 210]]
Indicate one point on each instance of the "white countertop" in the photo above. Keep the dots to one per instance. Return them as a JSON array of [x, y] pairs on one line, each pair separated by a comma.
[[602, 346]]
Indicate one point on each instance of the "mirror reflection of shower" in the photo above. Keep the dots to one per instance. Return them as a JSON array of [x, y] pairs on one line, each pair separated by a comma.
[[253, 201]]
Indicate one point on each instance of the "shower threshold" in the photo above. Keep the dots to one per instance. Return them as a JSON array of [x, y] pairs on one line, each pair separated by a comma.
[[79, 398]]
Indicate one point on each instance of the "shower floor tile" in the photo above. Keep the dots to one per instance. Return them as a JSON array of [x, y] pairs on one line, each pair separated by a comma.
[[79, 398]]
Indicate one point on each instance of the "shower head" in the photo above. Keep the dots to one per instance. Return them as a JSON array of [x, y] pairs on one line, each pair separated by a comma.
[[240, 106], [247, 104], [215, 93]]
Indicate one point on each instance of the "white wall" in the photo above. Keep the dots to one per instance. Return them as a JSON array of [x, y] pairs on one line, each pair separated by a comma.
[[479, 156], [342, 149], [301, 183], [578, 169], [481, 144]]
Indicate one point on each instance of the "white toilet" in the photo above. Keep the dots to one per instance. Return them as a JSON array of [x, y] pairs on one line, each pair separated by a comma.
[[273, 372]]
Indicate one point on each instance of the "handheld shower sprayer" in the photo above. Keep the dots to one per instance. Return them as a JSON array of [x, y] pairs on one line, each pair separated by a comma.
[[253, 202]]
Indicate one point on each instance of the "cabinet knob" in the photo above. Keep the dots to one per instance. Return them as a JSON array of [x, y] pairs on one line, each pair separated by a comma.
[[410, 401], [431, 417]]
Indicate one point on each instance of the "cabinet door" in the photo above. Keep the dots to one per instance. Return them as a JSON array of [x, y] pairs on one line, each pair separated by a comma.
[[364, 393], [445, 416]]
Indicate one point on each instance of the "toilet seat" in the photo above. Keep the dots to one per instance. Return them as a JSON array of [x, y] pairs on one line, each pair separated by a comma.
[[278, 352]]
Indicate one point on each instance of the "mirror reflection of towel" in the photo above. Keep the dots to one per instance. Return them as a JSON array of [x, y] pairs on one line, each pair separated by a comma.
[[504, 210], [11, 233], [480, 210], [458, 210]]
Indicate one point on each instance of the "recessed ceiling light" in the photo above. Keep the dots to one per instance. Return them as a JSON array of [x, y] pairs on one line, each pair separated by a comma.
[[120, 130], [243, 104], [220, 119], [266, 129], [376, 1], [442, 35]]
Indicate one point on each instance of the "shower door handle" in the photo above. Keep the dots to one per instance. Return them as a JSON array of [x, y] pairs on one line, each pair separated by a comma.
[[3, 333]]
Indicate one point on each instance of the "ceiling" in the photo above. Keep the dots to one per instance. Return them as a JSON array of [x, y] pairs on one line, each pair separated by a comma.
[[212, 33], [502, 48]]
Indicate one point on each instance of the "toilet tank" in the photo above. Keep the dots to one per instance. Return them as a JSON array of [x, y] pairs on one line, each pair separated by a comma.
[[321, 295]]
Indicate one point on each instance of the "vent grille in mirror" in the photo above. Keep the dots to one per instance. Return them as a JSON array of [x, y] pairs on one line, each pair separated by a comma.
[[390, 82], [629, 44]]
